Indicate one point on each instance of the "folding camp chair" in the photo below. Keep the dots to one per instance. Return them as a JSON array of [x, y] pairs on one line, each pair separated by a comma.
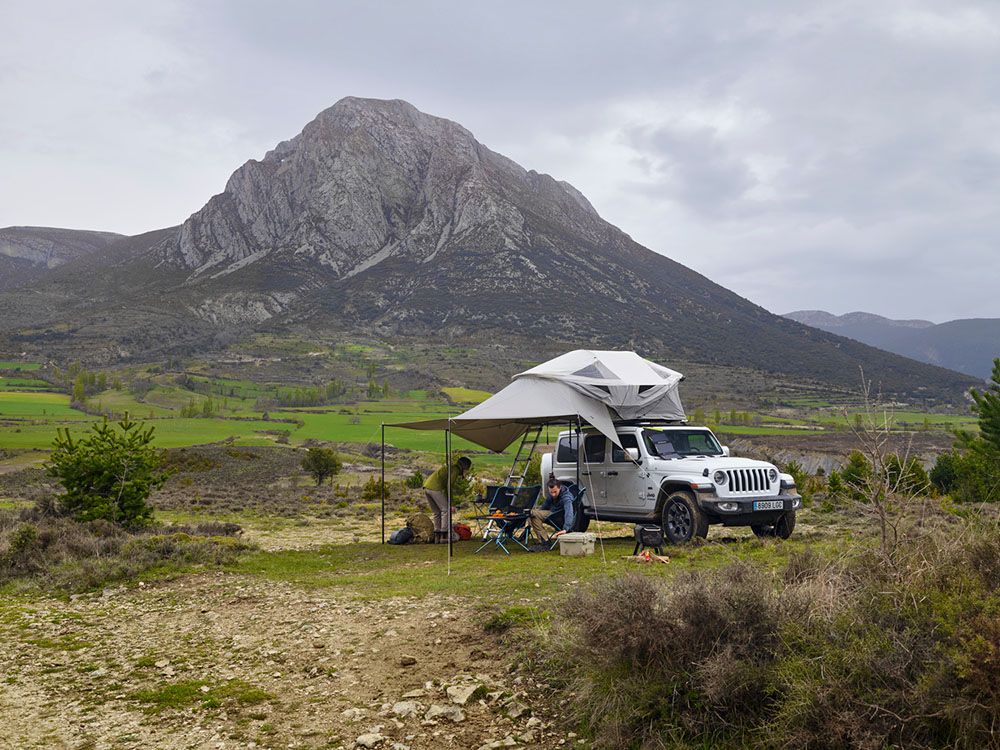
[[497, 498], [506, 522]]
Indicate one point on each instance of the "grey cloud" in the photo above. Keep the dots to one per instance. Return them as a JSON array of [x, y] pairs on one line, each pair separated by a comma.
[[799, 153]]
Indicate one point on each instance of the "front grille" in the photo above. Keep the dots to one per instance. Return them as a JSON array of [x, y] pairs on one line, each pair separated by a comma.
[[748, 481]]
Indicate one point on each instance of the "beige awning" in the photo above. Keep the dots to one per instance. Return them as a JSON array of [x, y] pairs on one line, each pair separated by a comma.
[[504, 417]]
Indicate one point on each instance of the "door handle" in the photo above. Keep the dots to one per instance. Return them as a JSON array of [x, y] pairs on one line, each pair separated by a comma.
[[612, 473], [585, 473]]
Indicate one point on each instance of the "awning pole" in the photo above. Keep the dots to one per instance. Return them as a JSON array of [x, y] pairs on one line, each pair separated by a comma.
[[579, 448], [447, 439], [383, 483]]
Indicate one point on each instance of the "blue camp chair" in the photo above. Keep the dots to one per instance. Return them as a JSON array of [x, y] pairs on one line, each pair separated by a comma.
[[497, 498], [514, 520]]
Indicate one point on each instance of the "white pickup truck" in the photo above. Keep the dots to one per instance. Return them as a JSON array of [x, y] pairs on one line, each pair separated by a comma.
[[677, 477]]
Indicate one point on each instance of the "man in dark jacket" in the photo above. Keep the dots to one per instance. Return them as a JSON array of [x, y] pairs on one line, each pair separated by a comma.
[[558, 502]]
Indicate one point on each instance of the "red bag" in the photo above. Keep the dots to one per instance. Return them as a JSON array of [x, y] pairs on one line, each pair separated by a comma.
[[463, 531]]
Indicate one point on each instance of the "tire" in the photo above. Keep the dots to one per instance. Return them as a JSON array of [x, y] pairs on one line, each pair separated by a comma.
[[782, 528], [785, 525], [681, 519]]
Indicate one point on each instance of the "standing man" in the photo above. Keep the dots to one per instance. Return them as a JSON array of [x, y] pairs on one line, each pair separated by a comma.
[[436, 490], [559, 506]]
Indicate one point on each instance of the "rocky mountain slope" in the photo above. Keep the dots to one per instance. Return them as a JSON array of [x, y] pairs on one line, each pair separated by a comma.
[[967, 346], [27, 252], [380, 219]]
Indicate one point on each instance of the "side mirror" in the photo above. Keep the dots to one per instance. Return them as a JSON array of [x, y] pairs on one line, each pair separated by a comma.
[[633, 453], [725, 450]]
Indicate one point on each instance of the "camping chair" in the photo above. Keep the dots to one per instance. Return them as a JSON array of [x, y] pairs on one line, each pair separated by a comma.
[[515, 517], [555, 520], [497, 498]]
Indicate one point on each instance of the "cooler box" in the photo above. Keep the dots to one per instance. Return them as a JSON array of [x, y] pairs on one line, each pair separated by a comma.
[[577, 544]]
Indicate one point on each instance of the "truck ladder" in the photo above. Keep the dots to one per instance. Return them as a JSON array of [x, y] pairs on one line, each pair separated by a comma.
[[522, 459]]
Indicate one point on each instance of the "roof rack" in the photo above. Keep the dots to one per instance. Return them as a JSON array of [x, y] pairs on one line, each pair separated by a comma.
[[648, 422]]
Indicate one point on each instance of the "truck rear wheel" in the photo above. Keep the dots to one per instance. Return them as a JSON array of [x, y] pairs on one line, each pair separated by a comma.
[[681, 519], [782, 528]]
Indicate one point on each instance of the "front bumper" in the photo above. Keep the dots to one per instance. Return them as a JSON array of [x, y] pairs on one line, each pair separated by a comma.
[[741, 511]]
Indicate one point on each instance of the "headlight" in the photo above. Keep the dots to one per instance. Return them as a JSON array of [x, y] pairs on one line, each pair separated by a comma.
[[729, 506], [720, 477], [772, 474]]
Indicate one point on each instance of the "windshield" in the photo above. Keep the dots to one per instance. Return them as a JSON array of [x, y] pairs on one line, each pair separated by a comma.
[[677, 443]]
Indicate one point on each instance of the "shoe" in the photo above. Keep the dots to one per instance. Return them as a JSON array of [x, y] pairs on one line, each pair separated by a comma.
[[540, 547]]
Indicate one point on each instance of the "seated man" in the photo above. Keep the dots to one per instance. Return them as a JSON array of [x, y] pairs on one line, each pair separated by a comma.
[[558, 502]]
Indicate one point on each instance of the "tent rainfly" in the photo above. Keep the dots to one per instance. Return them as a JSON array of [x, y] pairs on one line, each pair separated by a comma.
[[593, 387]]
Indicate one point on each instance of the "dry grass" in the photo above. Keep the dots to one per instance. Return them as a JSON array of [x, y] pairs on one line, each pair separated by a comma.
[[825, 654], [60, 554]]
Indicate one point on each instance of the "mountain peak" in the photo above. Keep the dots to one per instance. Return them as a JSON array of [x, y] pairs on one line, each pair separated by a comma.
[[366, 181], [385, 221]]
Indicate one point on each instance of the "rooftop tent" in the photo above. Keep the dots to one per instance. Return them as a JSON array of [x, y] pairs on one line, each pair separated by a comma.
[[594, 387], [633, 387]]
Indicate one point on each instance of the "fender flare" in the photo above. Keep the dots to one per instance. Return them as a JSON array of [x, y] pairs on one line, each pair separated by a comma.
[[669, 484]]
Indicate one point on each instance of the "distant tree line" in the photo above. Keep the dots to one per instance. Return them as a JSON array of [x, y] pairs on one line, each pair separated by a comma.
[[79, 382]]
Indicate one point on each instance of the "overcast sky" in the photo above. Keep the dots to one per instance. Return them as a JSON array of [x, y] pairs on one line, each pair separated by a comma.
[[843, 156]]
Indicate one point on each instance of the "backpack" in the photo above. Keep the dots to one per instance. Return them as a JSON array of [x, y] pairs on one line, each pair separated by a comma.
[[403, 536], [422, 528], [463, 531]]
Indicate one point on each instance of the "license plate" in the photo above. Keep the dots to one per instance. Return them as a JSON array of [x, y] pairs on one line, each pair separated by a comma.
[[768, 505]]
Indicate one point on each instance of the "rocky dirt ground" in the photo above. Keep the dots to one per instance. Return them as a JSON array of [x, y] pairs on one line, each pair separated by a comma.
[[220, 660]]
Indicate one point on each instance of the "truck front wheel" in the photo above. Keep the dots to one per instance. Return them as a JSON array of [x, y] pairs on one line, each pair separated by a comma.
[[782, 528], [681, 519]]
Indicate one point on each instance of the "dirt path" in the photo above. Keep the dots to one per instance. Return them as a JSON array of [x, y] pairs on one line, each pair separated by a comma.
[[226, 661]]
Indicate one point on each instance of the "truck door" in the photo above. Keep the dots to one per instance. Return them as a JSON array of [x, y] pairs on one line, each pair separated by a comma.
[[592, 470], [626, 481]]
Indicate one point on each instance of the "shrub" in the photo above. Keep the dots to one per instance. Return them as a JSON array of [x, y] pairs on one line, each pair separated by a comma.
[[66, 555], [969, 475], [971, 472], [806, 483], [826, 655], [321, 463], [944, 474], [21, 549], [415, 481], [108, 475], [533, 474], [372, 489]]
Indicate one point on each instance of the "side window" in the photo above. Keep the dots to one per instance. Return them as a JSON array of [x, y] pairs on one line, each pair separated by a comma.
[[594, 449], [567, 450], [618, 454]]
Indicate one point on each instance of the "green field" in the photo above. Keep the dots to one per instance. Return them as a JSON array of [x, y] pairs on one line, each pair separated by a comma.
[[30, 419], [29, 415], [466, 395], [23, 384], [6, 364], [37, 406]]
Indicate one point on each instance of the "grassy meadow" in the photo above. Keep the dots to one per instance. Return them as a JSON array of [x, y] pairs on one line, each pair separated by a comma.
[[195, 409]]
